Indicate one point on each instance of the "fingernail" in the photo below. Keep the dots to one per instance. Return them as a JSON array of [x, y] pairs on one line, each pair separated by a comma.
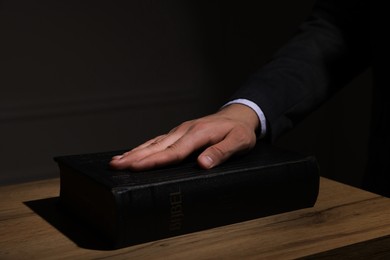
[[117, 157], [207, 161]]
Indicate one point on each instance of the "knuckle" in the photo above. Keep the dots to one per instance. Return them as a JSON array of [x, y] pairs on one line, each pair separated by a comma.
[[154, 143], [157, 140], [174, 153], [206, 128], [198, 127], [217, 151], [182, 128], [186, 124], [172, 147], [173, 130]]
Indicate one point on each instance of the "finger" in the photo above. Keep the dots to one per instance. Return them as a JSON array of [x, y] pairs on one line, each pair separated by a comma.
[[148, 143], [236, 141], [177, 151], [120, 156], [128, 159], [163, 140]]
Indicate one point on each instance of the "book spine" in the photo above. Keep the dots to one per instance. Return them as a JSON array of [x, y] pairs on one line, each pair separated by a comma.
[[175, 208]]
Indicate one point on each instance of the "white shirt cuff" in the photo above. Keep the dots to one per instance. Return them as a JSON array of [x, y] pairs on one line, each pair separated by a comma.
[[258, 111]]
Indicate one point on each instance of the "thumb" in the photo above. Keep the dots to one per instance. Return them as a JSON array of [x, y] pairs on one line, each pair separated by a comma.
[[211, 157], [220, 152]]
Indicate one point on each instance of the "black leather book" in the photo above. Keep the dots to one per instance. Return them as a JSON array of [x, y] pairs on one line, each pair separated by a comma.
[[135, 207]]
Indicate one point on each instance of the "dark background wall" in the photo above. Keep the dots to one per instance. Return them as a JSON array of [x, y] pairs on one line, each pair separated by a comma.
[[87, 76]]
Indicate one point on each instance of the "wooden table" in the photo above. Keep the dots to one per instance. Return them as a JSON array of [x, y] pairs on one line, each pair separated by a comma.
[[345, 222]]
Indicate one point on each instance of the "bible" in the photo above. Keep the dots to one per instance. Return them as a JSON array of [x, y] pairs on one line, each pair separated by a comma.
[[130, 208]]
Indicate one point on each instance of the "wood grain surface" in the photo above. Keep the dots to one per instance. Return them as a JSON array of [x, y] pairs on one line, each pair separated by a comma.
[[33, 227]]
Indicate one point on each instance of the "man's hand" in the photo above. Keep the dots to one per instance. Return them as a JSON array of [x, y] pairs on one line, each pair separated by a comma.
[[229, 131]]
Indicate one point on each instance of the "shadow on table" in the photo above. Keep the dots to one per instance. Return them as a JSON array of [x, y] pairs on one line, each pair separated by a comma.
[[50, 210]]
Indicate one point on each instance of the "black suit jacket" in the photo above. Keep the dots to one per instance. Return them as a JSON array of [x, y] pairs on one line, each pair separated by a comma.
[[336, 43]]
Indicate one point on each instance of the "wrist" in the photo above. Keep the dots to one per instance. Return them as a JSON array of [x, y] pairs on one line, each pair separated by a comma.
[[241, 113]]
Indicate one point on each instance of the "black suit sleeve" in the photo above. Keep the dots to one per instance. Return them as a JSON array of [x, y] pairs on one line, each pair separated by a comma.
[[329, 49]]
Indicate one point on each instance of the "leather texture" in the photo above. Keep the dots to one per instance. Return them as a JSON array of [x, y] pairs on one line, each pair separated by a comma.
[[134, 207]]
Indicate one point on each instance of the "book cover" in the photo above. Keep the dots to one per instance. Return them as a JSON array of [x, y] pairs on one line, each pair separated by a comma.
[[135, 207]]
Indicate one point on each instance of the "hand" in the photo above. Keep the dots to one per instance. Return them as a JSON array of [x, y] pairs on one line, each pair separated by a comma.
[[229, 131]]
